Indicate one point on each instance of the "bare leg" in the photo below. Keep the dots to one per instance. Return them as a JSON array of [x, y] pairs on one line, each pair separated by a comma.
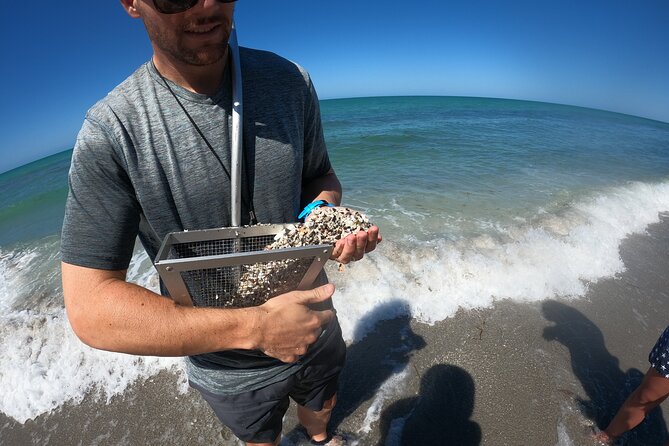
[[653, 390], [316, 423]]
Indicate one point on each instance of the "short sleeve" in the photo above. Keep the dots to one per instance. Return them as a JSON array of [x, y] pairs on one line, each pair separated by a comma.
[[101, 213], [316, 160]]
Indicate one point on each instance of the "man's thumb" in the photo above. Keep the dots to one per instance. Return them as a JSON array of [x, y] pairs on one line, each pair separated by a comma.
[[318, 294]]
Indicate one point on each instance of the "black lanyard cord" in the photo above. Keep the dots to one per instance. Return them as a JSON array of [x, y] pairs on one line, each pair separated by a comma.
[[248, 201]]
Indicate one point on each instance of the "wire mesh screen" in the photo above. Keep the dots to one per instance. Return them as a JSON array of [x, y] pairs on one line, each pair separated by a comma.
[[233, 267], [244, 285], [220, 246]]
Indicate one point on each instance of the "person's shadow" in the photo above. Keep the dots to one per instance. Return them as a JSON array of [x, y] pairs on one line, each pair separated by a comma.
[[439, 415], [384, 343], [375, 356], [605, 384]]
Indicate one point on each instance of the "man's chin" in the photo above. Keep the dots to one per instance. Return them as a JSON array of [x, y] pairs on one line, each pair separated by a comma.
[[205, 58], [201, 57]]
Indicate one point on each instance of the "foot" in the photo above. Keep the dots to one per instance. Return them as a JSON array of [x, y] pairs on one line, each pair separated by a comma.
[[331, 440], [602, 438]]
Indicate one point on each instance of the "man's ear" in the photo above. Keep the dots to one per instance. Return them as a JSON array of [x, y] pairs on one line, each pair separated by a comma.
[[129, 6]]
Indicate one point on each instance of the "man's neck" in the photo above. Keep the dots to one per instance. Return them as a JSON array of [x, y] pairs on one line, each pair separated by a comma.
[[204, 79]]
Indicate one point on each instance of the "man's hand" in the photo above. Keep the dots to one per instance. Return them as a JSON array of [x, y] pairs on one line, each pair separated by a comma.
[[286, 326], [355, 246]]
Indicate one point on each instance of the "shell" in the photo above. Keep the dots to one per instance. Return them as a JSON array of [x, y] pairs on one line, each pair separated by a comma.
[[325, 226]]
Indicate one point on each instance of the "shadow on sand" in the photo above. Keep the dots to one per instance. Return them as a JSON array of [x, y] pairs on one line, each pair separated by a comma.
[[605, 384], [376, 356], [439, 415], [382, 348]]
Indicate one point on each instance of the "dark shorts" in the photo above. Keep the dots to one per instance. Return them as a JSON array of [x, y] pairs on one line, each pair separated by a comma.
[[659, 355], [256, 416]]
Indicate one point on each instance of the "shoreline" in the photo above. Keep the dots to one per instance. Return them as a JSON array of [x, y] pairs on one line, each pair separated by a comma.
[[516, 373]]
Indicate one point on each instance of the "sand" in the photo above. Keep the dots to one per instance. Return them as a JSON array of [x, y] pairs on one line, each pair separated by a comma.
[[515, 374]]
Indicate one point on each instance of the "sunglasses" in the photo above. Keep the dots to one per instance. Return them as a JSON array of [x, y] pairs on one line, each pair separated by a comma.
[[177, 6]]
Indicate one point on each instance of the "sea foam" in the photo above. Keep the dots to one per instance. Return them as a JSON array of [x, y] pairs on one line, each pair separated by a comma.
[[45, 366], [556, 255]]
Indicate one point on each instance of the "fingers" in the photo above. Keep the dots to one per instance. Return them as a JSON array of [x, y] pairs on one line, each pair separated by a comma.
[[291, 349], [324, 317], [360, 245], [373, 238], [318, 294], [354, 246], [346, 250], [289, 326], [288, 356], [337, 250]]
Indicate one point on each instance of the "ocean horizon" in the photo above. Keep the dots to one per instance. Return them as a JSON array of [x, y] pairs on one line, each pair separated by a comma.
[[583, 107], [478, 200]]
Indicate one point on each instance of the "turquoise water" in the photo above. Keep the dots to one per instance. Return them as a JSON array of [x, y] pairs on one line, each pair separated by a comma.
[[467, 163], [477, 200], [470, 163], [32, 199]]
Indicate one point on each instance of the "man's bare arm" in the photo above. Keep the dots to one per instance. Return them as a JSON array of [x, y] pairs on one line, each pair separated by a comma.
[[108, 313], [326, 187]]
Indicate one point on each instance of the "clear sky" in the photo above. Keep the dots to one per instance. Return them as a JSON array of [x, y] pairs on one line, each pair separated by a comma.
[[58, 58]]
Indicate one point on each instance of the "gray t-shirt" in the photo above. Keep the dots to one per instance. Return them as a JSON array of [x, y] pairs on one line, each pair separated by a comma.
[[140, 168]]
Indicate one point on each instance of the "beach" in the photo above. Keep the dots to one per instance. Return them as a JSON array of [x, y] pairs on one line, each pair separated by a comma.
[[521, 282], [516, 374], [538, 373]]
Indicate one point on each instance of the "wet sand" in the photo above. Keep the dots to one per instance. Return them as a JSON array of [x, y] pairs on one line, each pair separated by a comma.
[[517, 374]]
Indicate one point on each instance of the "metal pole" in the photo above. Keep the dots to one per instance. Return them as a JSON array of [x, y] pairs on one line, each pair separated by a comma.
[[237, 138]]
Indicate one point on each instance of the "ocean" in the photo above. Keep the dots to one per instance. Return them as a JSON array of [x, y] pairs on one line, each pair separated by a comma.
[[478, 201]]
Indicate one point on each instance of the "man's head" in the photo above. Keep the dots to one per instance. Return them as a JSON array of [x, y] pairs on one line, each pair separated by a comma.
[[191, 32]]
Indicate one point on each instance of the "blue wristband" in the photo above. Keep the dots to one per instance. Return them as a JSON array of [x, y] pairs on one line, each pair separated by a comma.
[[311, 206]]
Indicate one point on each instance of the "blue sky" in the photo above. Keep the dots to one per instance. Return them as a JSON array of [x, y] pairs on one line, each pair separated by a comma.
[[60, 57]]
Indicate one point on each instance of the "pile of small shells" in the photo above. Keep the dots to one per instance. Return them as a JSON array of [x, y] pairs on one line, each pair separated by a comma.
[[324, 226]]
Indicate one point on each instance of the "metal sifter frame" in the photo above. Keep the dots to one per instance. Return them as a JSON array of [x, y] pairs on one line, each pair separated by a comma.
[[171, 269]]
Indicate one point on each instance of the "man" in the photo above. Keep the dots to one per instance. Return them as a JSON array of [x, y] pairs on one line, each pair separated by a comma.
[[153, 157]]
